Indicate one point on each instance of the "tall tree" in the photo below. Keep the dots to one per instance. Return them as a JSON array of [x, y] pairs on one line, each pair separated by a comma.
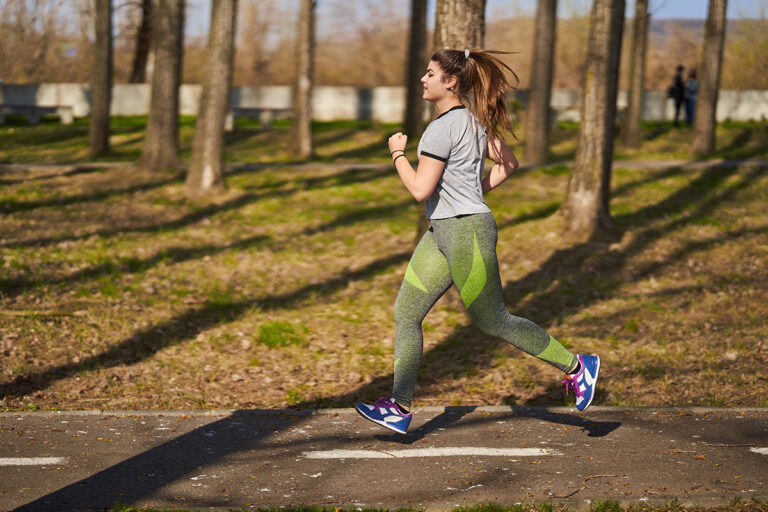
[[711, 62], [417, 60], [143, 39], [101, 78], [630, 132], [161, 144], [540, 90], [459, 24], [302, 88], [205, 174], [586, 204]]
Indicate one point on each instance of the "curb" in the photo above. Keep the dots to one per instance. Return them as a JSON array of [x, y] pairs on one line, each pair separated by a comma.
[[497, 409]]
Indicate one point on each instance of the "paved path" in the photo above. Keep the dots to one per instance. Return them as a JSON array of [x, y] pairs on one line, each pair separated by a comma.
[[452, 456]]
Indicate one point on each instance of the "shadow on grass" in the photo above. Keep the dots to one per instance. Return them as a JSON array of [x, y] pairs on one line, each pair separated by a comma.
[[126, 266], [43, 135], [345, 177], [374, 149], [656, 131], [10, 205], [73, 171], [183, 221]]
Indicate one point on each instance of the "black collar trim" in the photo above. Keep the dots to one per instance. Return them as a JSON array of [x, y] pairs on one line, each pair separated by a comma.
[[457, 107]]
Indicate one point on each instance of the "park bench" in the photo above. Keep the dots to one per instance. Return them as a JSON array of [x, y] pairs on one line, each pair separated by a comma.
[[35, 112], [266, 115]]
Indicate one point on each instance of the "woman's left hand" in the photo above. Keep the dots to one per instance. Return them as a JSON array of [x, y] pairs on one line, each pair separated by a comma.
[[397, 142]]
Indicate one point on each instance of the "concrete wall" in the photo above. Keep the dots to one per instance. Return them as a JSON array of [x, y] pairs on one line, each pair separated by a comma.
[[383, 104]]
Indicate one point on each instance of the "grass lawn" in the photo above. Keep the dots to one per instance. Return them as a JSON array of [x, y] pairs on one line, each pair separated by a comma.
[[118, 292]]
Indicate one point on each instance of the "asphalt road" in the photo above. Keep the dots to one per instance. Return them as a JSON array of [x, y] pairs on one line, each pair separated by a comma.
[[452, 456]]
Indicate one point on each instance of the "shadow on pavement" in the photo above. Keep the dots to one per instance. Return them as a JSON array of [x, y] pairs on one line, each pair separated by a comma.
[[144, 474], [592, 427]]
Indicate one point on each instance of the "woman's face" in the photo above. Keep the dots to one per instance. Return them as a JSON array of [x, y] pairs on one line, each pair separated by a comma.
[[434, 86]]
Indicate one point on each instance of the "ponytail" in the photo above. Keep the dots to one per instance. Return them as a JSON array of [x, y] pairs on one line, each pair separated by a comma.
[[482, 85]]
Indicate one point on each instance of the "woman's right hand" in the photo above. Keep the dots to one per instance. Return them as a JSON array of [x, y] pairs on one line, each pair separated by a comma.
[[397, 142]]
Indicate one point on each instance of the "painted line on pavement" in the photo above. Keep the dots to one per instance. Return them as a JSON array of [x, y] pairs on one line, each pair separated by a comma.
[[31, 461], [429, 452], [761, 451]]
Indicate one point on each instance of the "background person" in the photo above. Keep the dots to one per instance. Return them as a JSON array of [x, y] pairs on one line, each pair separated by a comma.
[[691, 90], [677, 91]]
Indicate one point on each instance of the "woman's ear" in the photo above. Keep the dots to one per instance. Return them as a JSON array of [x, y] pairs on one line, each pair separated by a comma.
[[450, 82]]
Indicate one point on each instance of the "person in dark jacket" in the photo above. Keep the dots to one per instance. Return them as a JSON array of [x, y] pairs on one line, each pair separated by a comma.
[[677, 91]]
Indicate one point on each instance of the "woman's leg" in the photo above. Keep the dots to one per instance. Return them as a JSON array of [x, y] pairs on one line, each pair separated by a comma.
[[426, 279], [469, 244]]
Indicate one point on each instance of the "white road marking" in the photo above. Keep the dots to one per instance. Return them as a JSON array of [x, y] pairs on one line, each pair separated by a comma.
[[761, 451], [31, 461], [429, 452]]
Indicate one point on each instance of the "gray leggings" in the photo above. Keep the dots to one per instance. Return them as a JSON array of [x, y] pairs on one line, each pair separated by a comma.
[[461, 251]]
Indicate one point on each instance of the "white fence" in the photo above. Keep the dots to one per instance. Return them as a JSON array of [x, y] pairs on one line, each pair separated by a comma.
[[384, 104]]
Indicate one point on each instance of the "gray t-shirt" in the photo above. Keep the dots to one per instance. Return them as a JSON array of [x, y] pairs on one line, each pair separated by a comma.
[[459, 140]]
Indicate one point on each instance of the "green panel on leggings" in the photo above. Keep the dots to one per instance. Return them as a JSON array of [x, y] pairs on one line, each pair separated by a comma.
[[476, 280], [412, 278]]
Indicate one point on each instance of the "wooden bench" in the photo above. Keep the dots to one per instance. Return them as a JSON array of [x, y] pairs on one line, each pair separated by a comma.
[[35, 112], [266, 115]]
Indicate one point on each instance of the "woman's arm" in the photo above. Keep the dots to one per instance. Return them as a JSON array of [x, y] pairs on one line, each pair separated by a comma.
[[421, 182], [505, 164]]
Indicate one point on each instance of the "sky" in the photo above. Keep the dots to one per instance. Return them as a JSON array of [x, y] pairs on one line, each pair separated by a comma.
[[199, 10]]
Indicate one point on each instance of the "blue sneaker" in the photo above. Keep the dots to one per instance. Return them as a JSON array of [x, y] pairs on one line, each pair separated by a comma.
[[385, 412], [583, 384]]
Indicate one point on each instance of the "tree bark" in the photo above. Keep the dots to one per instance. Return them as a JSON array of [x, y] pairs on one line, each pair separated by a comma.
[[540, 90], [302, 88], [459, 24], [161, 144], [101, 78], [143, 39], [417, 61], [705, 119], [586, 204], [634, 115], [206, 168]]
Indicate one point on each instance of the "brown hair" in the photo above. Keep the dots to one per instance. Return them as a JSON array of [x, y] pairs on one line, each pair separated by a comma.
[[482, 85]]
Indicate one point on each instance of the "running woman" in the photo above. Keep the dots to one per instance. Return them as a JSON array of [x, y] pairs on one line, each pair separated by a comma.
[[469, 90]]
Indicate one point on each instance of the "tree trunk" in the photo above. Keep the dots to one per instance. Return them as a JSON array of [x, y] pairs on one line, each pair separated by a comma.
[[586, 204], [161, 144], [417, 61], [634, 115], [302, 88], [206, 168], [101, 78], [712, 59], [540, 90], [459, 24], [143, 38]]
